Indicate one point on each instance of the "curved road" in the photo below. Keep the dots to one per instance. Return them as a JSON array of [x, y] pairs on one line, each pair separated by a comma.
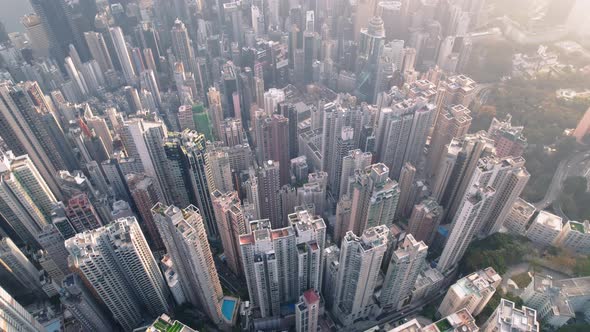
[[560, 175]]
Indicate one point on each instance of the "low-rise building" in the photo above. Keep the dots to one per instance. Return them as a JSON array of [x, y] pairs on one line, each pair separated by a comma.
[[575, 236], [517, 219], [545, 229], [507, 317], [471, 292]]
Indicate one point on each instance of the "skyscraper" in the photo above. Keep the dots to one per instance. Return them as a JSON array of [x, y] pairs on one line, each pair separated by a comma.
[[123, 54], [268, 191], [406, 181], [194, 149], [15, 317], [219, 173], [453, 122], [56, 17], [81, 303], [307, 311], [356, 159], [424, 221], [184, 235], [281, 263], [344, 144], [472, 210], [231, 224], [17, 272], [116, 262], [359, 266], [181, 45], [457, 167], [24, 198], [405, 265], [16, 110], [99, 50], [401, 134], [145, 196], [374, 198]]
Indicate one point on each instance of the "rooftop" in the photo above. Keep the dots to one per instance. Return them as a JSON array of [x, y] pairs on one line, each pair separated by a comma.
[[549, 219]]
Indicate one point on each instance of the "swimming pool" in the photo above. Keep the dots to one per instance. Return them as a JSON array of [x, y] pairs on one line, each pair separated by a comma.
[[228, 307]]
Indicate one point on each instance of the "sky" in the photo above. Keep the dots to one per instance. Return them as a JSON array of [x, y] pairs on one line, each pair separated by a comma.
[[11, 11]]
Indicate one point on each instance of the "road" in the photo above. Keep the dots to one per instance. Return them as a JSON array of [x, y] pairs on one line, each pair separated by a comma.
[[562, 172]]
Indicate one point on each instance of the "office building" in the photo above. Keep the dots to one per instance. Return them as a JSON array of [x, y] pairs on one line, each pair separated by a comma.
[[36, 34], [405, 265], [307, 311], [359, 266], [81, 214], [185, 238], [472, 292], [116, 262], [507, 317]]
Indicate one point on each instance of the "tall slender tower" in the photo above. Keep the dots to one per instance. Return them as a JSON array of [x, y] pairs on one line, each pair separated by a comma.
[[406, 181], [472, 210], [145, 196], [374, 198], [116, 262], [181, 45], [231, 224], [268, 191], [405, 265], [184, 235], [359, 266], [98, 49], [425, 219], [123, 54], [453, 122]]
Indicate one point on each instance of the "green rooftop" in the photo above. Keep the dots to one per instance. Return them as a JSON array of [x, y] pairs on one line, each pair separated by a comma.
[[577, 227], [165, 324]]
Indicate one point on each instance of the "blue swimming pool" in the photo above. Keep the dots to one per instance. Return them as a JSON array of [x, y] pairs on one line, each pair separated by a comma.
[[228, 307]]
